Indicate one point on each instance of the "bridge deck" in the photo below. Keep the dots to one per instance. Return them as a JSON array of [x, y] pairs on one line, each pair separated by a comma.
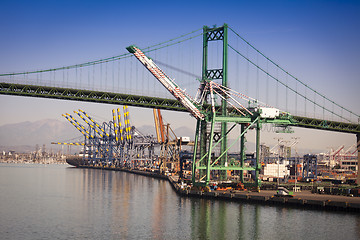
[[147, 102]]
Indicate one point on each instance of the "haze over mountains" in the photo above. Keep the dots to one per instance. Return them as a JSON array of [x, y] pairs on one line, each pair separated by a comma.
[[24, 136]]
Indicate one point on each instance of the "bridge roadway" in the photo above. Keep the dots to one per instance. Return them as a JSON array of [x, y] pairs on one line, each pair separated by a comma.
[[147, 102]]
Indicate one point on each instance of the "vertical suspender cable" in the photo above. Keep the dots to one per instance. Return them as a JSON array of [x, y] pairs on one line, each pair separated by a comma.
[[88, 85], [106, 68], [118, 78], [324, 109], [277, 89], [81, 77], [314, 103], [131, 79], [125, 77], [287, 92], [237, 78], [75, 78], [257, 78], [247, 72], [305, 100], [93, 79], [296, 98], [136, 78], [101, 77], [267, 82]]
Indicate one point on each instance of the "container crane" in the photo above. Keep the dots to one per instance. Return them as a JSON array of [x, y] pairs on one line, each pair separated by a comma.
[[206, 162], [117, 126], [333, 159], [88, 123], [77, 125], [128, 128], [93, 121], [169, 147]]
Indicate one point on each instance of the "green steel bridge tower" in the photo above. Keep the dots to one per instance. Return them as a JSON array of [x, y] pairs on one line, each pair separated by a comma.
[[210, 108]]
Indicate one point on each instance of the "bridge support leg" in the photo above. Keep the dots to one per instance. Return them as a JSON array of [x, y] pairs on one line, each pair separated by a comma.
[[193, 170], [358, 162], [258, 164], [242, 152]]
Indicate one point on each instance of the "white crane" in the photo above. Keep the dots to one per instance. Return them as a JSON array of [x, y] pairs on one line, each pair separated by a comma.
[[168, 83], [225, 93]]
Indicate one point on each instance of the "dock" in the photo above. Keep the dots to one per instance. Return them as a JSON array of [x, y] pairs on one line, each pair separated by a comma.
[[304, 199]]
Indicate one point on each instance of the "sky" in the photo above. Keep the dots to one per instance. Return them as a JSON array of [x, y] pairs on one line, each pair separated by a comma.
[[317, 41]]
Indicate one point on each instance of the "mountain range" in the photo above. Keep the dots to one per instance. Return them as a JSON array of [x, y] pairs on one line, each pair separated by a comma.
[[24, 136]]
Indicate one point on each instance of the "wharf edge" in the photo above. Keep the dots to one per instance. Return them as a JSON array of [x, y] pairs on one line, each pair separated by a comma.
[[304, 199]]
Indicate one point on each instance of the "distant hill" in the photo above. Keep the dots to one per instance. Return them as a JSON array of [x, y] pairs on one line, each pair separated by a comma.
[[27, 135], [24, 136]]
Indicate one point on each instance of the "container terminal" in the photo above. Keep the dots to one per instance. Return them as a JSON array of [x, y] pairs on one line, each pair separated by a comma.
[[312, 181]]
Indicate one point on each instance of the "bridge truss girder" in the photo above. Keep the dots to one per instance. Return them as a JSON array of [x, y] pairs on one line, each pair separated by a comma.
[[149, 102]]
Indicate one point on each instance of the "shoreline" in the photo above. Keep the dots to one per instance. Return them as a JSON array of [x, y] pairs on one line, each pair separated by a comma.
[[304, 199]]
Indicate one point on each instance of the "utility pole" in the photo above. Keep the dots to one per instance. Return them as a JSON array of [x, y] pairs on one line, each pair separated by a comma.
[[278, 160], [296, 158]]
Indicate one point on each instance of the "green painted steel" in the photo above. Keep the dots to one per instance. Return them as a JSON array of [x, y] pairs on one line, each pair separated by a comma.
[[224, 104], [335, 126], [242, 151], [90, 96], [152, 102], [258, 164]]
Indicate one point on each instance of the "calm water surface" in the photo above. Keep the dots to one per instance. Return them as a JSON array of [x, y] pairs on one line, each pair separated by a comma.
[[61, 202]]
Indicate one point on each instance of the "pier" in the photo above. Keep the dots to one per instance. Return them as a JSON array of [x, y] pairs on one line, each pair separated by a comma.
[[304, 199]]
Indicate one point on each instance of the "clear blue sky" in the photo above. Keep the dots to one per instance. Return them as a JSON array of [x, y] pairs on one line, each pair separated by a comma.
[[317, 41]]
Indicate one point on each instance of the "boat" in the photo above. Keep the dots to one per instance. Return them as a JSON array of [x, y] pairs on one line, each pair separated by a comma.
[[74, 160]]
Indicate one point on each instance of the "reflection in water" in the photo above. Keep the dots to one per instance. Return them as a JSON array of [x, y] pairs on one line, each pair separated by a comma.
[[40, 202], [240, 222]]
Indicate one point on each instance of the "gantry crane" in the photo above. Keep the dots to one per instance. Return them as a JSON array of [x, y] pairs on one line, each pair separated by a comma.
[[113, 143], [209, 111], [170, 146]]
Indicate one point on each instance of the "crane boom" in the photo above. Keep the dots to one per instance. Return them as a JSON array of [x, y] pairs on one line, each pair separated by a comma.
[[156, 120], [90, 125], [65, 143], [127, 124], [115, 126], [119, 125], [77, 125], [169, 84], [93, 121]]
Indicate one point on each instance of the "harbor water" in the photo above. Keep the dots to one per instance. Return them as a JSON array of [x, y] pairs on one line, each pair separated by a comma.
[[62, 202]]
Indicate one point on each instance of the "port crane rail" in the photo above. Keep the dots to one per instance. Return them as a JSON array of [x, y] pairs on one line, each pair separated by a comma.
[[250, 117]]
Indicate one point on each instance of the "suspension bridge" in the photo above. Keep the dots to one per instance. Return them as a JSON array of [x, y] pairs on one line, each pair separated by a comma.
[[216, 54]]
